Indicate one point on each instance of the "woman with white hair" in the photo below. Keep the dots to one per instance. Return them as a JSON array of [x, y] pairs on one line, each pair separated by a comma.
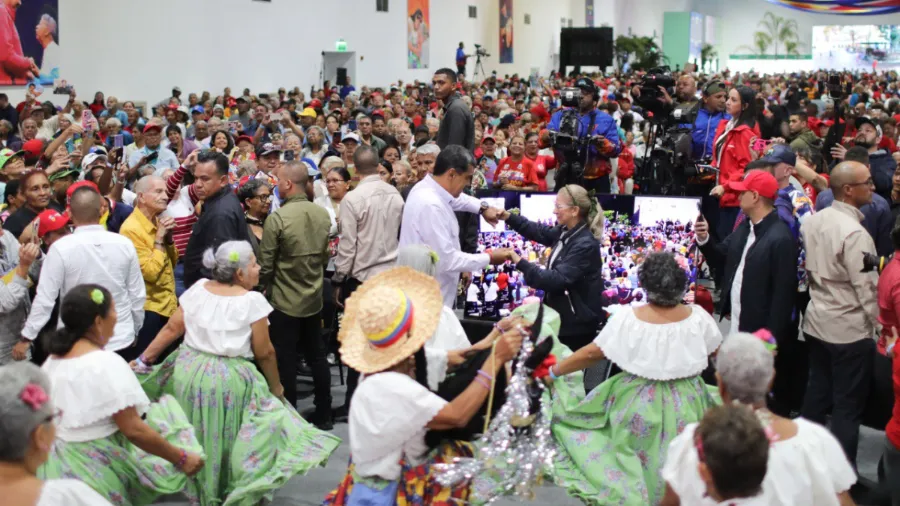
[[613, 440], [806, 463], [316, 147], [226, 377], [27, 431]]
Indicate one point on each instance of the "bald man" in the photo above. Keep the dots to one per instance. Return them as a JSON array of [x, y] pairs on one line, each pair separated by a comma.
[[91, 255], [292, 258], [841, 322], [151, 235]]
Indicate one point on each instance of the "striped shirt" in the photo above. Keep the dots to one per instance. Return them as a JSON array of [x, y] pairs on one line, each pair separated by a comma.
[[182, 208]]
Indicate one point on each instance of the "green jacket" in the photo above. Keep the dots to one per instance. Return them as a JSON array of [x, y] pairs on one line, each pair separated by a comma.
[[806, 139], [292, 256]]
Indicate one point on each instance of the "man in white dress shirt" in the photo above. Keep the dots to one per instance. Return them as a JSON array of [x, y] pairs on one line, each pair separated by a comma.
[[428, 218], [91, 255]]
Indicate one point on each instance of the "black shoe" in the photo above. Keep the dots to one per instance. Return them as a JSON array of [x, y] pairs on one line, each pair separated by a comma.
[[322, 422], [341, 414]]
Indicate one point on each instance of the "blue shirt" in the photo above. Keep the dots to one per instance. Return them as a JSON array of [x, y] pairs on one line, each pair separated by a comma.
[[703, 133], [460, 56], [346, 90], [120, 114], [165, 160], [878, 219], [604, 125]]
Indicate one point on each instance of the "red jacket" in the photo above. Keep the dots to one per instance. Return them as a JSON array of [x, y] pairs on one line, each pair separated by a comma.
[[13, 64], [735, 156]]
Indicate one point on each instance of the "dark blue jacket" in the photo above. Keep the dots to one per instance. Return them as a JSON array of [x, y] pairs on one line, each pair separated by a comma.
[[604, 125], [703, 132]]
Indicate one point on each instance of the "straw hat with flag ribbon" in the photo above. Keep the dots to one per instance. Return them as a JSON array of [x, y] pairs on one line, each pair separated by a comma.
[[388, 319]]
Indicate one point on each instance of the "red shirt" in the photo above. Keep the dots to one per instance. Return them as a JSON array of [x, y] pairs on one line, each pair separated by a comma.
[[543, 163], [519, 174], [888, 314], [811, 192], [502, 280], [888, 144]]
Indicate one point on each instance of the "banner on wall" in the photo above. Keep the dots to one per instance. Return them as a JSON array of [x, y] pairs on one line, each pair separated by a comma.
[[29, 42], [589, 13], [506, 31], [417, 34]]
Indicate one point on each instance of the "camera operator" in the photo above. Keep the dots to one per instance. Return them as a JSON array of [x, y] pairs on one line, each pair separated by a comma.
[[604, 145], [685, 97]]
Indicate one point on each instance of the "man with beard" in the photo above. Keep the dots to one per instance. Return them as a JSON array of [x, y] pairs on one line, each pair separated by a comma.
[[801, 137], [882, 164]]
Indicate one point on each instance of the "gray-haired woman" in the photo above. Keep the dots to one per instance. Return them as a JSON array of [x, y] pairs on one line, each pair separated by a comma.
[[662, 348], [228, 400], [27, 432], [572, 282], [806, 463]]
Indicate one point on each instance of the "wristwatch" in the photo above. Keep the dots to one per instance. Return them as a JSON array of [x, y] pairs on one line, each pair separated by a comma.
[[483, 208]]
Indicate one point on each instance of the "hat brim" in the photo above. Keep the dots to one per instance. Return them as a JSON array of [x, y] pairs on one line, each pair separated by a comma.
[[425, 296]]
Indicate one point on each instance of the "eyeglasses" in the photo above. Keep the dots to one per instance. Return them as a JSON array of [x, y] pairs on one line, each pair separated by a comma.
[[333, 181], [559, 207], [264, 198], [868, 182]]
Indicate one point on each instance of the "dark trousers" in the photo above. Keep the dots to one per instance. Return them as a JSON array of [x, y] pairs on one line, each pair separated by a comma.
[[892, 470], [349, 287], [461, 70], [291, 335], [599, 185], [153, 323], [840, 377]]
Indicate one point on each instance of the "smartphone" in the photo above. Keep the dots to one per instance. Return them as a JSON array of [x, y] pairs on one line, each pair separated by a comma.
[[288, 156], [35, 226], [117, 152], [275, 116], [761, 145], [352, 125], [86, 119], [152, 156], [118, 141], [700, 216]]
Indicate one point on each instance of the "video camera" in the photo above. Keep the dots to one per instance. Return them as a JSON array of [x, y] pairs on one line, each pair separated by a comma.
[[650, 93], [481, 52], [570, 97]]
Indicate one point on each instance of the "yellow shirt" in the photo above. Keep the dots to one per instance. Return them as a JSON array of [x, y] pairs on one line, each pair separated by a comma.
[[157, 267]]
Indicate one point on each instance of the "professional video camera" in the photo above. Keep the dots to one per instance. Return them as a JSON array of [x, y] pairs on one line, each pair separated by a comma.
[[481, 52], [651, 95], [570, 97]]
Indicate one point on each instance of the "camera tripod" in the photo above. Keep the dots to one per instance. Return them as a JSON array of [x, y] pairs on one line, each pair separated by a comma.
[[479, 68]]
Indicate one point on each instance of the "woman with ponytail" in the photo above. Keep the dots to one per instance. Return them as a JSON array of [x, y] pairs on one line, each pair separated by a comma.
[[571, 281], [109, 435], [225, 376]]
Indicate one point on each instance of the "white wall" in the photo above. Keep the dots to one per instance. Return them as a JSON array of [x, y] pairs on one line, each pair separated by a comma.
[[140, 49]]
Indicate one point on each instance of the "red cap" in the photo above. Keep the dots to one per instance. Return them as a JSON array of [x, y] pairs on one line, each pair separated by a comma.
[[757, 181], [34, 147], [50, 221], [80, 184], [152, 126], [243, 138], [315, 103]]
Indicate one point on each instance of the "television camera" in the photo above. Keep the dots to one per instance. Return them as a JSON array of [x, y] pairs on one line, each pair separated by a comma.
[[481, 52]]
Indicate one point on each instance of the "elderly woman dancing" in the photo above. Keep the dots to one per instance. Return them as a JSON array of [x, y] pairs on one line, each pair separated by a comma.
[[386, 324], [27, 431], [256, 442], [613, 440], [806, 463], [109, 435]]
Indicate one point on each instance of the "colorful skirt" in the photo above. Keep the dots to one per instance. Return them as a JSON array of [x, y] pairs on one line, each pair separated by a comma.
[[121, 472], [254, 442], [613, 442], [417, 485]]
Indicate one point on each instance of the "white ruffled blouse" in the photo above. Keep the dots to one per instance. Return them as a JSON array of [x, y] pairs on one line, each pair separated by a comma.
[[660, 352], [69, 493], [89, 390], [218, 324], [809, 468]]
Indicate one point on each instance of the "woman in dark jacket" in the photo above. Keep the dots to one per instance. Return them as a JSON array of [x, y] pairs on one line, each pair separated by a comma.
[[572, 281]]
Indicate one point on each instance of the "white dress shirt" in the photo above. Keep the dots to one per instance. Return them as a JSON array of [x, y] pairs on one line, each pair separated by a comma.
[[92, 255], [738, 283], [428, 219]]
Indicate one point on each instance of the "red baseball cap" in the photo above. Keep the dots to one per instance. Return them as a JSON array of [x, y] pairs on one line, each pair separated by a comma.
[[152, 126], [757, 181], [80, 184], [34, 147], [315, 103], [50, 221]]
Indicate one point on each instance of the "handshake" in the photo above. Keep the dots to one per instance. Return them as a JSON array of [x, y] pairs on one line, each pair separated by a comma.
[[500, 256]]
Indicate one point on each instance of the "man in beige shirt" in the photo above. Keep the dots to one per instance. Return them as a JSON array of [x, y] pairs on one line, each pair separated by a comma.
[[370, 232], [842, 318]]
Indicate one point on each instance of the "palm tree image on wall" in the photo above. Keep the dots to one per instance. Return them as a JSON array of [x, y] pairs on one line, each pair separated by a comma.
[[777, 34]]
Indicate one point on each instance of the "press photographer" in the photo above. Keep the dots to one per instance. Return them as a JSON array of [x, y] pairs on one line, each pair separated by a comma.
[[583, 139]]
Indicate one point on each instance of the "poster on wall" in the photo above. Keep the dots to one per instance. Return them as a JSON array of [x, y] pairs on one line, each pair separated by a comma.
[[589, 13], [29, 42], [506, 31], [417, 36]]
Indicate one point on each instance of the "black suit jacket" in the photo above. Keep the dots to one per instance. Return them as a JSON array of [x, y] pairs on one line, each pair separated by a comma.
[[769, 285], [221, 219]]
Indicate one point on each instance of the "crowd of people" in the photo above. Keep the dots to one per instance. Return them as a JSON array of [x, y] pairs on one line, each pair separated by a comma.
[[170, 267]]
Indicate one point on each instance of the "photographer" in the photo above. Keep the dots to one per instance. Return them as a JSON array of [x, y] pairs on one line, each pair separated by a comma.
[[604, 145]]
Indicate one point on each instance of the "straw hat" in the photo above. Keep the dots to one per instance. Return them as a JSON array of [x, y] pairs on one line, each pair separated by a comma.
[[388, 318]]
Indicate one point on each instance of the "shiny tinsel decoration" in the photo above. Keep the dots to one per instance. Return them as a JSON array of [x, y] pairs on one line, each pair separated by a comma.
[[517, 450]]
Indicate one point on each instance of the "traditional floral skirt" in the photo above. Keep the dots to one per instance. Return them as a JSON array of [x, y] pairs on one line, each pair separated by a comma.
[[254, 441], [613, 442], [121, 472], [417, 485]]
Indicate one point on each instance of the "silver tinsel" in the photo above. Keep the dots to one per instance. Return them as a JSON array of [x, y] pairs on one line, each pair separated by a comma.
[[516, 452]]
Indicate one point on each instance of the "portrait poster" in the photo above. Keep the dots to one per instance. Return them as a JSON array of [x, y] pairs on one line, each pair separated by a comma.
[[29, 42], [417, 33], [506, 31]]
